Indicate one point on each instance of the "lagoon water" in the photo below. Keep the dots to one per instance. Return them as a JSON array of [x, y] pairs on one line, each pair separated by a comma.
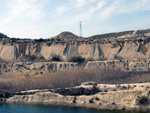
[[16, 108]]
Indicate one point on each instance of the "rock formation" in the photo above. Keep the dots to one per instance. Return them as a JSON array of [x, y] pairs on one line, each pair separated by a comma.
[[134, 98], [124, 45], [124, 64], [125, 49], [36, 68]]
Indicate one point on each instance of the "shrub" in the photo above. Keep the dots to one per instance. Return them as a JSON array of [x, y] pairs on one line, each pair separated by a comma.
[[91, 101], [96, 98], [39, 40], [144, 101], [56, 58], [77, 59], [32, 57]]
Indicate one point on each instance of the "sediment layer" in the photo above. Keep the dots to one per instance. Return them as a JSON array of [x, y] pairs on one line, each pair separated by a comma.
[[117, 97]]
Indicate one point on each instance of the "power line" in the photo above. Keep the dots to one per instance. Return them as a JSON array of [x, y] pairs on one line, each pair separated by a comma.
[[80, 24]]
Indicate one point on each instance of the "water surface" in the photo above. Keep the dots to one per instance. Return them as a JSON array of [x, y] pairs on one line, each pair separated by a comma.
[[17, 108]]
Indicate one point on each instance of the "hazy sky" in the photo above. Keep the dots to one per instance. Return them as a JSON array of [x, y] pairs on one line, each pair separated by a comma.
[[47, 18]]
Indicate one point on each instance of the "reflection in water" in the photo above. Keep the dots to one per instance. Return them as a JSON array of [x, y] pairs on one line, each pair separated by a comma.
[[16, 108]]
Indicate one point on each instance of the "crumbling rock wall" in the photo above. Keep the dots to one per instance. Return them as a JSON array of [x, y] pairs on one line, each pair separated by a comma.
[[36, 68], [124, 45], [124, 64], [94, 50], [122, 48]]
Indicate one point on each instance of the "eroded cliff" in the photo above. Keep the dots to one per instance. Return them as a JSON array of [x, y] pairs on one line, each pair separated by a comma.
[[36, 68], [129, 45], [136, 97]]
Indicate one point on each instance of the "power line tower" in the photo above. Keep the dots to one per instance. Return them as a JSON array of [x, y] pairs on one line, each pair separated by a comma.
[[80, 24]]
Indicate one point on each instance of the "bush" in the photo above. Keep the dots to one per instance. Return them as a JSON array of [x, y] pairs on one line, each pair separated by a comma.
[[77, 59], [32, 58], [144, 101], [91, 101], [56, 58], [39, 40]]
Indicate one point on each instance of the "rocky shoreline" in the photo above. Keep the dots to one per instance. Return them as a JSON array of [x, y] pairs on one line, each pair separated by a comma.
[[105, 96]]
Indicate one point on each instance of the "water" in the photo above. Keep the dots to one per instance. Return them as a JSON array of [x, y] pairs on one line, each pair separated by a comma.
[[15, 108]]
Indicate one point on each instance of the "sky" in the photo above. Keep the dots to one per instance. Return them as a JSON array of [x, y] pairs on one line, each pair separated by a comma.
[[46, 18]]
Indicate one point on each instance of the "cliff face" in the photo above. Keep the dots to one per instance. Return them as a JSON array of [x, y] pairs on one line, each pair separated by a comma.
[[36, 68], [136, 98], [122, 47], [127, 65]]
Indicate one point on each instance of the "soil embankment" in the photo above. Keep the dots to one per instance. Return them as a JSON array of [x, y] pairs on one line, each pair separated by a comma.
[[124, 96]]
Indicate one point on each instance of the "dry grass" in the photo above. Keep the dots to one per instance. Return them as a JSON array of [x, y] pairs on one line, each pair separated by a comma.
[[69, 78]]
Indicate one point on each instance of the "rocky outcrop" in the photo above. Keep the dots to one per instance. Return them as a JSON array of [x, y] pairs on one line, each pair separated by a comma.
[[36, 68], [125, 45], [126, 50], [42, 68], [135, 98], [77, 91], [124, 64]]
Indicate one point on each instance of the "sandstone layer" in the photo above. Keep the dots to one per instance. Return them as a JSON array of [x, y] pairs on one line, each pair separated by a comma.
[[125, 45], [42, 68], [124, 64], [36, 68], [123, 96], [126, 50]]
